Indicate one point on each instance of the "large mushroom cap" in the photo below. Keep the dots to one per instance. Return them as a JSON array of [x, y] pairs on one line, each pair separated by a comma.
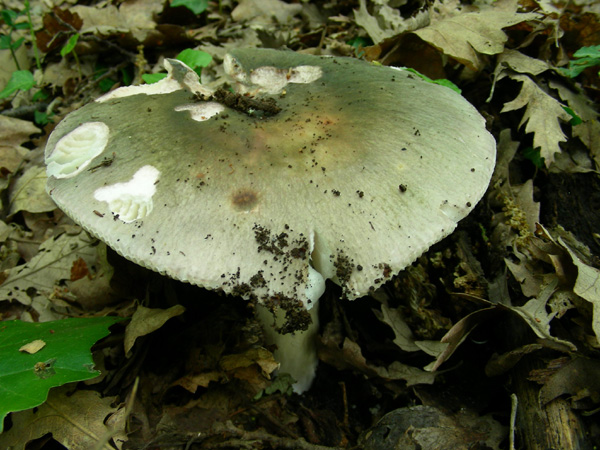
[[326, 168]]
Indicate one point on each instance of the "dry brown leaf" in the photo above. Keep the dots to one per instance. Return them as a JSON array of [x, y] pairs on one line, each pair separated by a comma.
[[265, 11], [589, 130], [465, 35], [386, 21], [76, 421], [542, 115], [349, 356], [579, 378], [36, 282], [427, 427], [587, 286], [135, 17], [14, 132], [28, 192], [146, 320]]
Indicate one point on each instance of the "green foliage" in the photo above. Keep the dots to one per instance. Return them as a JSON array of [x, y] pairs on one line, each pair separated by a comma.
[[20, 79], [195, 59], [585, 57], [195, 6], [576, 120], [283, 383], [533, 155], [150, 78], [70, 45], [359, 43], [441, 82], [26, 378]]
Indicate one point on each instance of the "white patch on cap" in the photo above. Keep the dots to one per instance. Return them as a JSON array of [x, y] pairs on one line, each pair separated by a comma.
[[272, 80], [173, 82], [202, 111], [131, 200], [76, 149], [234, 69]]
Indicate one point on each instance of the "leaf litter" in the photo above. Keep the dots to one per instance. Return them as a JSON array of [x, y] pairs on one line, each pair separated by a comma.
[[206, 377]]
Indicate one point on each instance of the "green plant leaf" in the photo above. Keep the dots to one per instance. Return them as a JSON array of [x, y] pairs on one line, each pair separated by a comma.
[[534, 156], [41, 118], [65, 357], [441, 82], [194, 58], [20, 79], [70, 45], [576, 120], [195, 6], [7, 43], [585, 57], [9, 17], [153, 77]]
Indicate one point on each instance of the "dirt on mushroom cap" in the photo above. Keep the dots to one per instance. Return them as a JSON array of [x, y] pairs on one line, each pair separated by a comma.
[[363, 169]]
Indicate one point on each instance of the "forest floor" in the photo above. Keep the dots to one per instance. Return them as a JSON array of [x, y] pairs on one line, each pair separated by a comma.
[[506, 309]]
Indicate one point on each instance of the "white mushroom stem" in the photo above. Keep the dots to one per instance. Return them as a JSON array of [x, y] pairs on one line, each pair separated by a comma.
[[296, 352]]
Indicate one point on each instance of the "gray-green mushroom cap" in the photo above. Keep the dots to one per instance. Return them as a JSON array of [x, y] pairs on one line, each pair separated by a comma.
[[318, 168]]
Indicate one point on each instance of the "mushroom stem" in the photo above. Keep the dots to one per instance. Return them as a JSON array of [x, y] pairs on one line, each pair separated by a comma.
[[296, 352]]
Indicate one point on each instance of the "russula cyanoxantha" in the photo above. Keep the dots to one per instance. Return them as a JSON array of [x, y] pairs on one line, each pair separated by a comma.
[[317, 168]]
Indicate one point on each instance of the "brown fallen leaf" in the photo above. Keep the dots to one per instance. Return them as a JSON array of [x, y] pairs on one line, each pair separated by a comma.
[[580, 378], [33, 346], [465, 34], [76, 421], [543, 114], [146, 320], [427, 427]]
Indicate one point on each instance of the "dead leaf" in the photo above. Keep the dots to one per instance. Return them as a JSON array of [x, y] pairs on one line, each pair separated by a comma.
[[135, 17], [76, 421], [14, 133], [579, 378], [37, 279], [427, 427], [28, 193], [386, 21], [587, 286], [265, 11], [589, 130], [349, 356], [404, 337], [465, 35], [537, 317], [146, 320], [459, 332], [33, 346], [260, 356], [542, 115]]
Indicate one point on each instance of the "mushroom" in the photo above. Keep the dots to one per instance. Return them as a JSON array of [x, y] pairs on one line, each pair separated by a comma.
[[315, 168]]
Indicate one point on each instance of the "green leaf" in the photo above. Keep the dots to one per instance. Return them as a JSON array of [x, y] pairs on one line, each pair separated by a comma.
[[22, 26], [40, 95], [441, 82], [106, 84], [25, 378], [9, 16], [194, 58], [153, 77], [533, 155], [585, 57], [7, 43], [41, 118], [70, 45], [576, 120], [195, 6], [20, 79]]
